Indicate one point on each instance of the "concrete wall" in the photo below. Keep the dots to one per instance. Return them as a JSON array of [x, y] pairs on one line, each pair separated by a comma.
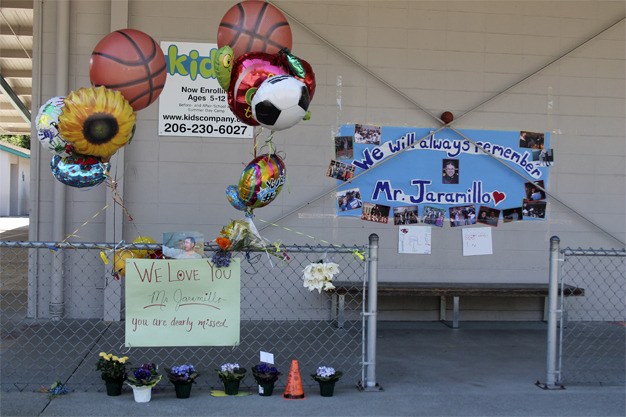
[[444, 55]]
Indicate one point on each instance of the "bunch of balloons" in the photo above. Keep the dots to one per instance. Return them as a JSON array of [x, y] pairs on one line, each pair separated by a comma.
[[266, 84], [84, 129]]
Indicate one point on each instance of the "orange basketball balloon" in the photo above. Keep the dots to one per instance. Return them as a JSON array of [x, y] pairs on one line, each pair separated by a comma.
[[254, 26], [131, 62]]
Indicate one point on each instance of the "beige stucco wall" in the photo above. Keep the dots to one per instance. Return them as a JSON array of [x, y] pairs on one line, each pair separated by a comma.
[[444, 55]]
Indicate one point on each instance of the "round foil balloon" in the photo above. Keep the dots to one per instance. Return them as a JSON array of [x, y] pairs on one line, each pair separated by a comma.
[[131, 62], [47, 125], [248, 73], [262, 180], [79, 173], [254, 26], [232, 195]]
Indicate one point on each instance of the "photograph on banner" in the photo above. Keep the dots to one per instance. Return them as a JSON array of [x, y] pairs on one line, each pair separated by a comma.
[[545, 157], [367, 134], [512, 215], [183, 245], [533, 192], [349, 199], [485, 168], [375, 213], [488, 216], [192, 102], [340, 171], [450, 171], [414, 239], [433, 215], [532, 140], [462, 215], [406, 215], [344, 147], [534, 209], [174, 302]]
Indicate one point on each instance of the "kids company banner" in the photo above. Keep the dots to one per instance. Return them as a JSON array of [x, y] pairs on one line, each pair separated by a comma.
[[182, 303], [411, 173], [192, 102]]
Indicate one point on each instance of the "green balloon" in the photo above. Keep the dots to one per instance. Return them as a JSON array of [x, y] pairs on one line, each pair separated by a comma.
[[223, 66]]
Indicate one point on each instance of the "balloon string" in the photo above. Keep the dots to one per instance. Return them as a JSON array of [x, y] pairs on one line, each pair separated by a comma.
[[358, 254], [74, 233]]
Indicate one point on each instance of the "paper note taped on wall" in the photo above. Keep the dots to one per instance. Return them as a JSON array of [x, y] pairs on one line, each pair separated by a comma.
[[477, 241]]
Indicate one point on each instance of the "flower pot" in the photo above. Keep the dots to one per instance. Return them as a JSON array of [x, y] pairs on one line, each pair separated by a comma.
[[231, 387], [142, 394], [327, 388], [114, 386], [183, 389], [266, 388]]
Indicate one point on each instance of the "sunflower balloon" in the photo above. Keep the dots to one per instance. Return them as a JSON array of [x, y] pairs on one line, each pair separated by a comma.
[[97, 121]]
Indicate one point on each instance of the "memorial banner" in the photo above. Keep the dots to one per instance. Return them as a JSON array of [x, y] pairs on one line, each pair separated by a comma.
[[187, 302], [442, 174]]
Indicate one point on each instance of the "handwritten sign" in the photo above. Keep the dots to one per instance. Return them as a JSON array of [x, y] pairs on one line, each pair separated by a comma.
[[182, 303], [477, 241], [414, 239]]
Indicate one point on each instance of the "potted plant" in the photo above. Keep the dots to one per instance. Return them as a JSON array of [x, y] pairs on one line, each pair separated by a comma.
[[265, 375], [142, 380], [182, 376], [326, 377], [113, 370], [231, 375]]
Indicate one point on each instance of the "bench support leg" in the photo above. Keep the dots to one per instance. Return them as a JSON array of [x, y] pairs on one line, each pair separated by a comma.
[[455, 311]]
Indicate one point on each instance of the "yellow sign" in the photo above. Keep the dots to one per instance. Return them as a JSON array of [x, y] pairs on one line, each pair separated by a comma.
[[188, 302]]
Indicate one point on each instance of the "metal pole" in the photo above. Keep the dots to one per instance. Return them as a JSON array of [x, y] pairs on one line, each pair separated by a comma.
[[553, 294], [372, 297]]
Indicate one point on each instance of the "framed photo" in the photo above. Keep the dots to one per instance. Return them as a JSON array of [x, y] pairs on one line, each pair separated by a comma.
[[183, 245]]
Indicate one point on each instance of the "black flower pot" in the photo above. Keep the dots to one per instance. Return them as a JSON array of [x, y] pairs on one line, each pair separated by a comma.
[[114, 386], [327, 388], [231, 386], [183, 389], [266, 388]]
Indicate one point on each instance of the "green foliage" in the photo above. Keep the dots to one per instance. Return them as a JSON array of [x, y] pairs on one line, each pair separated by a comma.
[[17, 140]]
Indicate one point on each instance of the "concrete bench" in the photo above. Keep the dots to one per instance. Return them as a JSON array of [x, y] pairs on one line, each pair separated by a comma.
[[443, 291]]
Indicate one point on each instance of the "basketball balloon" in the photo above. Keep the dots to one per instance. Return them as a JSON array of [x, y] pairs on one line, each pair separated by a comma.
[[254, 26], [131, 62]]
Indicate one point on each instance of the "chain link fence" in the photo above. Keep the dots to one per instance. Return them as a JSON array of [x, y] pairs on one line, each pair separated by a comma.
[[56, 302], [593, 327]]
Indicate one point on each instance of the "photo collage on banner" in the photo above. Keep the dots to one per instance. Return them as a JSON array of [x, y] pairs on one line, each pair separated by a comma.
[[494, 178]]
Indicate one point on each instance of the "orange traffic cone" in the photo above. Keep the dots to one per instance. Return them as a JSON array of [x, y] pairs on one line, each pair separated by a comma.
[[293, 390]]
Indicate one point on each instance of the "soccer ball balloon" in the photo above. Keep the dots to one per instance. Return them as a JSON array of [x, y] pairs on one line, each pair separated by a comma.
[[280, 102]]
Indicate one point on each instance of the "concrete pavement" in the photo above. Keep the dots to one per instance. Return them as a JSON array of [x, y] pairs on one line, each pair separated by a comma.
[[425, 369]]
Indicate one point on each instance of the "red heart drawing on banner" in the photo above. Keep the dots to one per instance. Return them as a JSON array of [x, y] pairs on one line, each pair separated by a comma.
[[498, 196], [404, 230]]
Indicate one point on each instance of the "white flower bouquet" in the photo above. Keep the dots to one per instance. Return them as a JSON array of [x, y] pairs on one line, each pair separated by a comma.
[[319, 276]]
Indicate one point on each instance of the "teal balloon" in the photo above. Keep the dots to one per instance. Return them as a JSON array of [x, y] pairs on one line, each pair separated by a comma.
[[232, 195], [79, 174]]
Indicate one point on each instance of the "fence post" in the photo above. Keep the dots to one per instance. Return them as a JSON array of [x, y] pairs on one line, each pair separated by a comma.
[[553, 295], [372, 298]]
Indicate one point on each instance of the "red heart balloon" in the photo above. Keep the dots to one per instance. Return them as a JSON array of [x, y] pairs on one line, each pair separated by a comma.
[[249, 71]]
